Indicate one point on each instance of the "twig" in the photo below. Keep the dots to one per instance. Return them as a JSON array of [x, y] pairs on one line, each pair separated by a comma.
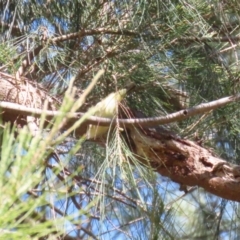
[[85, 32]]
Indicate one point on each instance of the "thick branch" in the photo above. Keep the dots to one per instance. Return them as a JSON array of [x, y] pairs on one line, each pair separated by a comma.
[[187, 163], [26, 62]]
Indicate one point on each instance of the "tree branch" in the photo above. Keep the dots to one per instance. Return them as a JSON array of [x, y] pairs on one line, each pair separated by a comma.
[[143, 122], [87, 32], [15, 30], [187, 163]]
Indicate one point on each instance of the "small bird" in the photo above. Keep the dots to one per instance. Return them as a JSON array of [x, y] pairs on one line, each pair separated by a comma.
[[107, 108]]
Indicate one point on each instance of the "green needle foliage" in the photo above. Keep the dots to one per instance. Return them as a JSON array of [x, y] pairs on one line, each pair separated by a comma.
[[56, 185]]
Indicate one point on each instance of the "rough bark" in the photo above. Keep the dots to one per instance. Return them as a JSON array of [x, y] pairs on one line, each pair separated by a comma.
[[183, 161], [187, 163], [24, 92]]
